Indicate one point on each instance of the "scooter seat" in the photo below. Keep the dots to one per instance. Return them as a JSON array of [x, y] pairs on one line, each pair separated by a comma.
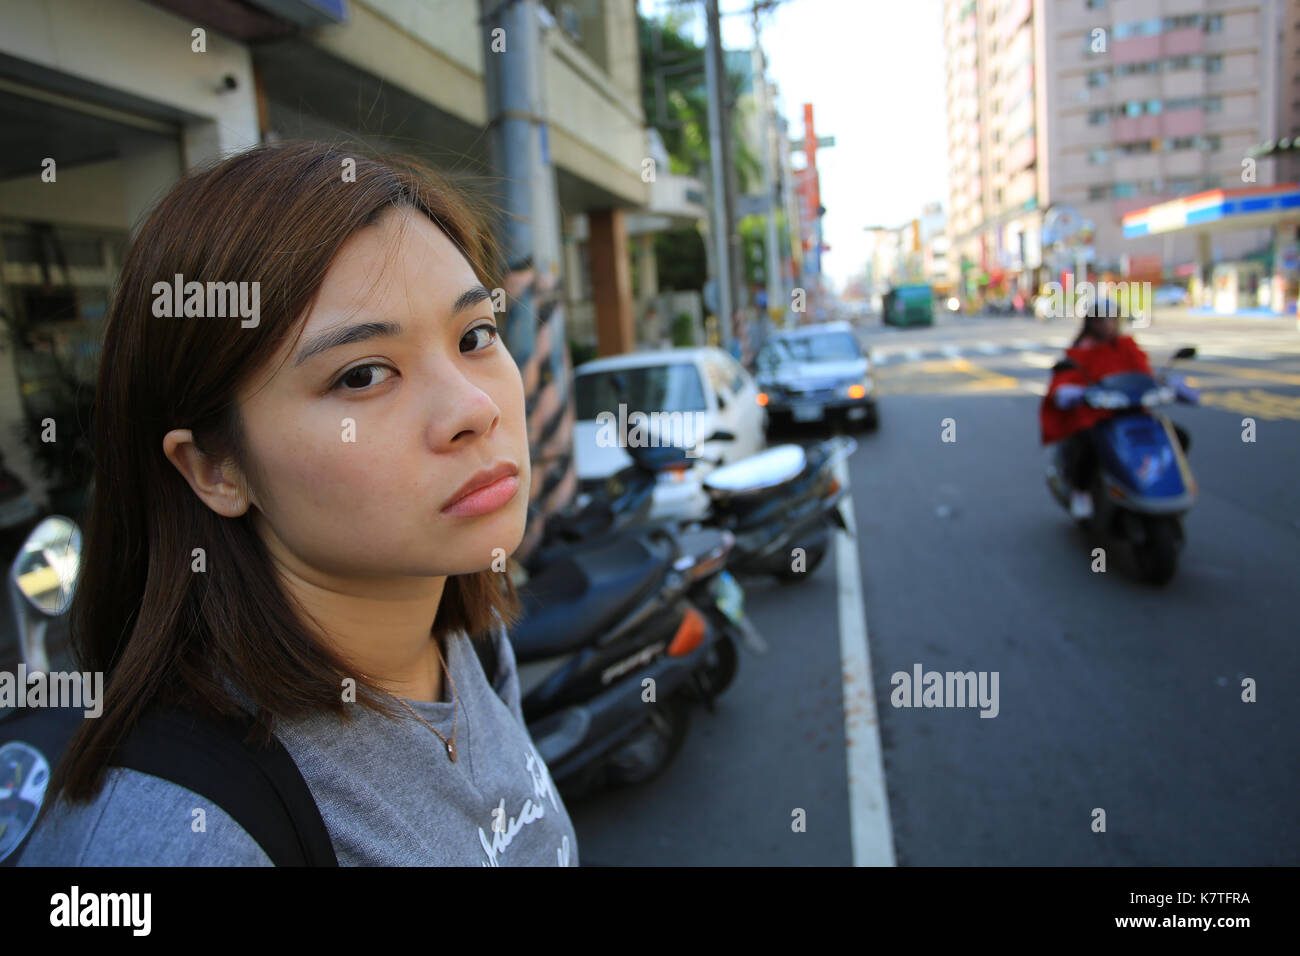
[[579, 596], [766, 471]]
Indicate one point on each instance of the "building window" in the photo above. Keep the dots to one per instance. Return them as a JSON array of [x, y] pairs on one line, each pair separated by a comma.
[[1094, 4], [1097, 192], [1097, 156], [1214, 64], [1214, 23], [1098, 78]]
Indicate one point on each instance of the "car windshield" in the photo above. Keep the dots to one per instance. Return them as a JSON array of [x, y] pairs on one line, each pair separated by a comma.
[[823, 347], [650, 388]]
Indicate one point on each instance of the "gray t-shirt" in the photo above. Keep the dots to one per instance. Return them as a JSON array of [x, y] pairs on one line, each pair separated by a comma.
[[386, 790]]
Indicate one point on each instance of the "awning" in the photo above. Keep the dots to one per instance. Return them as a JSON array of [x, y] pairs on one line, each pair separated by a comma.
[[1219, 209]]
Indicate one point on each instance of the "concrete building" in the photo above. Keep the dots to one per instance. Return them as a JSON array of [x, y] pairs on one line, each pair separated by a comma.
[[1105, 106], [124, 96]]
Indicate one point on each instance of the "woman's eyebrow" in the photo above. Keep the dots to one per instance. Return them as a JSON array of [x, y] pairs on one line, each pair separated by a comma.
[[348, 334]]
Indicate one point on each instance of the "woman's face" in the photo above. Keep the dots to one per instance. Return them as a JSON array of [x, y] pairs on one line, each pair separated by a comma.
[[357, 447]]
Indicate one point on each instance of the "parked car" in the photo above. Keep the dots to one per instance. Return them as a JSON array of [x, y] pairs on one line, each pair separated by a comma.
[[815, 371], [699, 398]]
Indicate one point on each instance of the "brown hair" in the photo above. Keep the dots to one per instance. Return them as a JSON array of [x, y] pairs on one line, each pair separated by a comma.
[[160, 633]]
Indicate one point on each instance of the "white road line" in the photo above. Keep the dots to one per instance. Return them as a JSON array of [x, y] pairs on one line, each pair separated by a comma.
[[988, 348], [1037, 360], [1037, 388], [871, 832], [912, 355], [951, 351], [1023, 343]]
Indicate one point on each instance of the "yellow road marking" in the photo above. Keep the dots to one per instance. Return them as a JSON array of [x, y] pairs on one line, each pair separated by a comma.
[[985, 380], [1256, 403], [1239, 371]]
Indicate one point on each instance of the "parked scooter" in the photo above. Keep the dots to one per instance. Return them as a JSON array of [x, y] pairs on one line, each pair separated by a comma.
[[621, 634], [623, 499], [783, 498], [1142, 484], [42, 580], [780, 500]]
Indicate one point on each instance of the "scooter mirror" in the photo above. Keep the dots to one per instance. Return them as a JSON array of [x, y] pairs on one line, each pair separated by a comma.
[[1064, 365], [1186, 352], [45, 568]]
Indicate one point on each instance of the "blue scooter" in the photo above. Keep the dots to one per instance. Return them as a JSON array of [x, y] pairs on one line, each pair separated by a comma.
[[1141, 484]]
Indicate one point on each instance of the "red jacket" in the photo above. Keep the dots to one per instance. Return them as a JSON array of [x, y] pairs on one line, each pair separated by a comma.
[[1095, 360]]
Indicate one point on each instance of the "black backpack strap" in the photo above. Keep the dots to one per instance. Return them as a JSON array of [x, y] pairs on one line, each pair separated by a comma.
[[261, 788]]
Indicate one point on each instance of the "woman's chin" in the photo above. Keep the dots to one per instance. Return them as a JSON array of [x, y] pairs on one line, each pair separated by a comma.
[[489, 546]]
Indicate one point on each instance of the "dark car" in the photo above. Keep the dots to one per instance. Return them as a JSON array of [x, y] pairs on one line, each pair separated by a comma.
[[816, 372]]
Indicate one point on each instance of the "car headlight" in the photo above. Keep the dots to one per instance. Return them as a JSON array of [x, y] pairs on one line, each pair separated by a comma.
[[857, 387]]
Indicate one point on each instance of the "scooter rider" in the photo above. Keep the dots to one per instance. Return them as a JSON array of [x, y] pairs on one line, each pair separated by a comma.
[[1098, 350]]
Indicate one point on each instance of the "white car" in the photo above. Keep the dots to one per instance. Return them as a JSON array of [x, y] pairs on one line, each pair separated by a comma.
[[699, 398]]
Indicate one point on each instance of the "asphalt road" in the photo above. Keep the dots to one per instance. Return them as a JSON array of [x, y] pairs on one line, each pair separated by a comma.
[[1112, 695]]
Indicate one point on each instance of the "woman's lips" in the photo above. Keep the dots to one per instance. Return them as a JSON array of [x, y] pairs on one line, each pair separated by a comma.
[[486, 499]]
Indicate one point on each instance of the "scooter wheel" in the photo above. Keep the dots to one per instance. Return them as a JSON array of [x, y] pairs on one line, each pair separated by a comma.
[[721, 666], [649, 752], [1157, 556], [813, 555]]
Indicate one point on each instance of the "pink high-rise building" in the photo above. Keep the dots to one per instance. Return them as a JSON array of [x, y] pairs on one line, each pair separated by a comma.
[[1107, 106]]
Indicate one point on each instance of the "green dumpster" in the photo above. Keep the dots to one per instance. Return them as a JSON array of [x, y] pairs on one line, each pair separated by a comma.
[[909, 305]]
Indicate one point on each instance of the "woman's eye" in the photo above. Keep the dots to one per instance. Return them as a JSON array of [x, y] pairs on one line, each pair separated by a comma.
[[482, 335], [358, 379]]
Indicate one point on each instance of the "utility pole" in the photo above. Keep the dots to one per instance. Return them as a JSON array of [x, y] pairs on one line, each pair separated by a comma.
[[775, 293], [791, 209], [722, 218], [513, 47]]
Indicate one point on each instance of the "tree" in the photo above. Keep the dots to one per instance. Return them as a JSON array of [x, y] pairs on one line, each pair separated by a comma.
[[675, 100]]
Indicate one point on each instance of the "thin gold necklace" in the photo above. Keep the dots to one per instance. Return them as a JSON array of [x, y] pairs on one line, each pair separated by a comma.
[[451, 744]]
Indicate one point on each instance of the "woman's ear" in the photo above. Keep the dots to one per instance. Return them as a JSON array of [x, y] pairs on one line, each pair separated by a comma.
[[219, 485]]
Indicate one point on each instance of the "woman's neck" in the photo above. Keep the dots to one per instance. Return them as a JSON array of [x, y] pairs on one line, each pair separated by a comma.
[[381, 628]]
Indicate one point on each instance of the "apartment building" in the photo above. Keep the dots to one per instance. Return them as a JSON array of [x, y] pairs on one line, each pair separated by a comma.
[[1105, 106]]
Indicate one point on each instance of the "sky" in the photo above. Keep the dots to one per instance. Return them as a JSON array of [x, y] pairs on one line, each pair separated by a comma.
[[874, 72]]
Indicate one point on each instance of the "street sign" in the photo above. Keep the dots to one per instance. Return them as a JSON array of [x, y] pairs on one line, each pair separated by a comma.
[[796, 146], [752, 204]]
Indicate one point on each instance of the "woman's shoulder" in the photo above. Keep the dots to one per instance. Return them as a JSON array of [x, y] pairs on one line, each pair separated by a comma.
[[138, 819]]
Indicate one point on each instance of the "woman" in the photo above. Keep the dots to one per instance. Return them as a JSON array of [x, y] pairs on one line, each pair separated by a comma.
[[279, 522], [1098, 350]]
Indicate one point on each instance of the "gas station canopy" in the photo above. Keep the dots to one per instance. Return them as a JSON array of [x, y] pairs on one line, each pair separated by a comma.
[[1253, 207]]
